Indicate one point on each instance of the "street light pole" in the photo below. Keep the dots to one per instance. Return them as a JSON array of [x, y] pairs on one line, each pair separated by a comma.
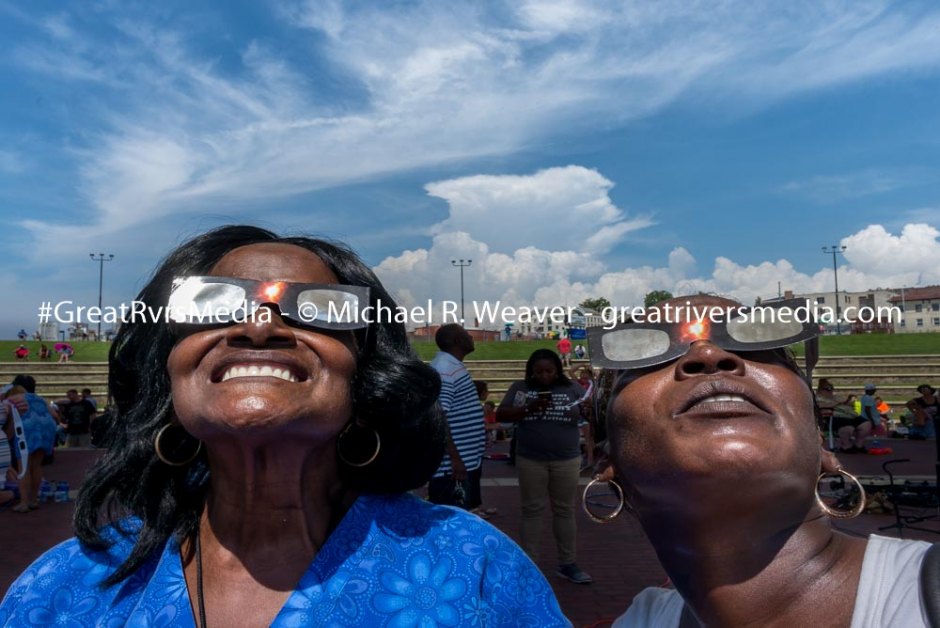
[[101, 259], [461, 264], [833, 250]]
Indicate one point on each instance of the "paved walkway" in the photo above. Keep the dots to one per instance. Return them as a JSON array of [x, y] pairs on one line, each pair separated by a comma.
[[616, 555]]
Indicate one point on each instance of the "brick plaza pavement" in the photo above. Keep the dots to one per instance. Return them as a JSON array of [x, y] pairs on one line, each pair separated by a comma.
[[616, 555]]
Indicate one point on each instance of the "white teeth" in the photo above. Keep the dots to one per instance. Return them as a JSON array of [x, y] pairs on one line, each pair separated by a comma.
[[721, 398], [256, 371]]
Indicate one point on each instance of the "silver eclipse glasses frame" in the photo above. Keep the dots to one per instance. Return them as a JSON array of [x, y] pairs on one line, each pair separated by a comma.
[[212, 301], [641, 345]]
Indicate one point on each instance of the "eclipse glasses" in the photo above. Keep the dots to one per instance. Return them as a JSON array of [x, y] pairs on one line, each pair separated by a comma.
[[740, 329], [230, 300]]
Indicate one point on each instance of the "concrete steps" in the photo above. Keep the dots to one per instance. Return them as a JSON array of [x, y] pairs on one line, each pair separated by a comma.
[[896, 376], [53, 380]]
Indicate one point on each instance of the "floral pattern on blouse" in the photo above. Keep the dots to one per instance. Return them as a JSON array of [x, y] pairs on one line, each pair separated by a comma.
[[394, 560]]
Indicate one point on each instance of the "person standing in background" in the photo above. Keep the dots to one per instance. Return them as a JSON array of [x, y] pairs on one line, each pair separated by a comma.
[[457, 480]]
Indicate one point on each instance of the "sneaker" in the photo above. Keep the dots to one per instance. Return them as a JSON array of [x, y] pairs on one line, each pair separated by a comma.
[[574, 573]]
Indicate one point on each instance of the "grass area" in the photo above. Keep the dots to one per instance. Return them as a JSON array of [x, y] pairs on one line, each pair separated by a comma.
[[878, 344], [84, 351], [865, 344]]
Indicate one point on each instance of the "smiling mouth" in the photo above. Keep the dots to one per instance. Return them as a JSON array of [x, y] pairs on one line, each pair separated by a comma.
[[253, 370]]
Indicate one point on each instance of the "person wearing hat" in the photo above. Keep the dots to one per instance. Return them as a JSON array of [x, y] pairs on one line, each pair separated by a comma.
[[925, 409]]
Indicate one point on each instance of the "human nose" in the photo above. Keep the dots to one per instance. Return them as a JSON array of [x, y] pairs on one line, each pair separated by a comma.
[[263, 328], [707, 358]]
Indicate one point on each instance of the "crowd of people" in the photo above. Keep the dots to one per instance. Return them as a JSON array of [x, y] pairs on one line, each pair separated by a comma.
[[851, 419], [712, 442], [30, 429]]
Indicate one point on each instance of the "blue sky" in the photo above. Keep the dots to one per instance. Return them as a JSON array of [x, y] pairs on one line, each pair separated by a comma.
[[571, 148]]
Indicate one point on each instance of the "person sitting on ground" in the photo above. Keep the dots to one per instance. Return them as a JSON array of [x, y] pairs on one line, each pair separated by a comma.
[[44, 353], [259, 466], [884, 410], [65, 352], [851, 429], [22, 353], [869, 407], [925, 409], [714, 446]]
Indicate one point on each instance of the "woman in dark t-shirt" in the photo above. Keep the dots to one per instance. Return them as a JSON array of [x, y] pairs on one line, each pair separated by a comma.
[[547, 407]]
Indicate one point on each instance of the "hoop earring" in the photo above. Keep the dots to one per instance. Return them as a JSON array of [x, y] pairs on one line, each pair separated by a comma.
[[842, 514], [345, 434], [161, 449], [607, 518]]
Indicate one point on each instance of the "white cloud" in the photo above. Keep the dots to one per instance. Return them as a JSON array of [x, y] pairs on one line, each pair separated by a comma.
[[875, 251], [556, 274], [557, 208], [428, 83]]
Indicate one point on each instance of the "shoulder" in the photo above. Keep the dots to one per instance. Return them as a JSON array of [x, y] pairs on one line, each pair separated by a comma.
[[571, 388], [514, 388], [447, 366], [480, 570], [70, 575], [896, 554], [405, 515], [653, 607], [888, 588]]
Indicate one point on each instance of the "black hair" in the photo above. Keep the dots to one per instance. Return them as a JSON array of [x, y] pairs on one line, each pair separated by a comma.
[[545, 354], [393, 393], [26, 381], [448, 336]]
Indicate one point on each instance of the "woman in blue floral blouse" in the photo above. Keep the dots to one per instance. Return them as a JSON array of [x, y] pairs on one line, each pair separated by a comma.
[[263, 436]]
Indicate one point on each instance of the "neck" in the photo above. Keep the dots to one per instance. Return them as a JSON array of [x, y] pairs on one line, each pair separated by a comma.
[[457, 353], [749, 573], [270, 509]]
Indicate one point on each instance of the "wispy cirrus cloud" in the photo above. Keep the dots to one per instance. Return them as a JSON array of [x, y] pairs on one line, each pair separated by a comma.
[[175, 128], [825, 189]]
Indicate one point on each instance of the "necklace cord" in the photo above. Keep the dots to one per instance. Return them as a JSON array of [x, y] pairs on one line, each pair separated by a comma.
[[199, 595]]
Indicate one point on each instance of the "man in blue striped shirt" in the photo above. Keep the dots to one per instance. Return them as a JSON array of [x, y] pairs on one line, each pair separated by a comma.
[[457, 481]]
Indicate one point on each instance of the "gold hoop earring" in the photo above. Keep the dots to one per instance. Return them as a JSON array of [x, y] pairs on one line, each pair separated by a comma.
[[617, 510], [183, 441], [842, 514], [345, 433]]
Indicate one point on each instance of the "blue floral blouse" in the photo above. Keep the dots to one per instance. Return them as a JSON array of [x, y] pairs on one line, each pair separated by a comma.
[[392, 561]]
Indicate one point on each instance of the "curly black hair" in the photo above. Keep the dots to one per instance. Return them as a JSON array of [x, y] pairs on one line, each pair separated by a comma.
[[393, 392]]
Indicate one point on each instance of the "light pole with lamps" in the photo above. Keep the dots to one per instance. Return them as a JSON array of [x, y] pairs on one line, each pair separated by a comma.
[[833, 250], [461, 264], [101, 259]]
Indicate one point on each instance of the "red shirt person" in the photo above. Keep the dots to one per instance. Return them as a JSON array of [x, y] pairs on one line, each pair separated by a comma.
[[564, 348]]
